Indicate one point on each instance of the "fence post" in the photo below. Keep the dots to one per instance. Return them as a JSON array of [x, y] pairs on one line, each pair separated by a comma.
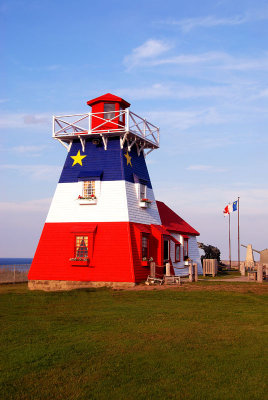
[[167, 269], [152, 269], [242, 269], [195, 272], [259, 273], [204, 267], [190, 272], [213, 267], [14, 274]]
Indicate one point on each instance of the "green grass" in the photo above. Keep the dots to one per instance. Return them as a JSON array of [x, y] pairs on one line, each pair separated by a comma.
[[104, 344], [222, 274]]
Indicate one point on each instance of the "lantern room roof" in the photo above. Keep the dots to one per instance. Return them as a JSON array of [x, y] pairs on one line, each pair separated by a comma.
[[108, 97]]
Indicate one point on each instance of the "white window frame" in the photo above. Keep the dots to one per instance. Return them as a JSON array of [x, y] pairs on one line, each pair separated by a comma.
[[140, 191]]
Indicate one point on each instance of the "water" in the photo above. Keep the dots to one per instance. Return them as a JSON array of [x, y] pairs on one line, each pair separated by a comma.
[[15, 261], [22, 264]]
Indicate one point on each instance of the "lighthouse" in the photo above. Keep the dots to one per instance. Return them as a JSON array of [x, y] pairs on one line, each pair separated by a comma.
[[104, 225], [98, 229]]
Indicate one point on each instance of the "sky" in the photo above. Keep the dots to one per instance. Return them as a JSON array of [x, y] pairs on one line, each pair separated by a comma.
[[198, 70]]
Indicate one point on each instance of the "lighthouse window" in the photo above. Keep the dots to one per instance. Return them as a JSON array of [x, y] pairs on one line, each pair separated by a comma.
[[142, 191], [166, 250], [185, 248], [144, 246], [81, 246], [89, 189], [109, 110], [177, 252]]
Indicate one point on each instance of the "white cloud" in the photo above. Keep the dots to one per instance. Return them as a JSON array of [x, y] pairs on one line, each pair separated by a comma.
[[19, 120], [150, 49], [176, 91], [188, 24], [32, 150], [261, 94], [40, 172], [210, 21], [32, 119], [22, 206], [181, 120], [214, 60], [201, 167]]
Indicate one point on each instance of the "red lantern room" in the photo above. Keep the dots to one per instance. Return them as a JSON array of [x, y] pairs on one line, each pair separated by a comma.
[[108, 112]]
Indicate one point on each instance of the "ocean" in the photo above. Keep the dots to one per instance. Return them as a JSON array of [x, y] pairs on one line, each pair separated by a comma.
[[15, 261]]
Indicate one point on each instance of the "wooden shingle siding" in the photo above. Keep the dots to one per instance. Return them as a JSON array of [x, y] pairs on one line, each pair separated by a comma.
[[193, 252], [136, 213]]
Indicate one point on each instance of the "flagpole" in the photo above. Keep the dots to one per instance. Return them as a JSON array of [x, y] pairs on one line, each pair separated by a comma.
[[238, 233], [230, 261]]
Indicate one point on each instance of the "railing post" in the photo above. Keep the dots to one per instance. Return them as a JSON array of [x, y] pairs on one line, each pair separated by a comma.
[[127, 119], [144, 127], [53, 126], [89, 122]]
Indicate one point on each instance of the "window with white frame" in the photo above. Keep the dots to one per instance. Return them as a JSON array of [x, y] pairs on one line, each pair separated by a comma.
[[109, 110], [177, 252], [142, 191], [81, 246], [89, 189], [166, 250], [185, 249], [144, 246]]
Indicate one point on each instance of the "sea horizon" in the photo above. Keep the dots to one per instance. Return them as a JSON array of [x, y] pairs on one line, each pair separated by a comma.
[[15, 260]]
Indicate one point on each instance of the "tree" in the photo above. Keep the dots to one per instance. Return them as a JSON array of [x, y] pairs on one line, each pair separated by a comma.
[[210, 252]]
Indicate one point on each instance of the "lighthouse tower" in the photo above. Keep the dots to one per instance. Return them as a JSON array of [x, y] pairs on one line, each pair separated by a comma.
[[103, 225]]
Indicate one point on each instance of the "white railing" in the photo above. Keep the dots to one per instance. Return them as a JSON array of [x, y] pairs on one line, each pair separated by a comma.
[[122, 122]]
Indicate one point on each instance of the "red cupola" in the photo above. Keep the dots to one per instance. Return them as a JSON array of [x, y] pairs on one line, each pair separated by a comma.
[[108, 112]]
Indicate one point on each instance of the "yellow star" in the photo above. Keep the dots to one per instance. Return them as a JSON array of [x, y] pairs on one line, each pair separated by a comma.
[[128, 159], [78, 158]]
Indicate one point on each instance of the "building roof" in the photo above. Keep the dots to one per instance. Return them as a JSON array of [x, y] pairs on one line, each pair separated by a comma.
[[173, 222], [108, 97]]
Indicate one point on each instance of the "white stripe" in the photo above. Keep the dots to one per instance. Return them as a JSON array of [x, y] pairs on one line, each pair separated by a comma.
[[117, 201]]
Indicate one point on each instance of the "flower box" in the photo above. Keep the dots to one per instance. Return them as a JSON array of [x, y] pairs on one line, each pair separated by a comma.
[[145, 203], [87, 201], [79, 263]]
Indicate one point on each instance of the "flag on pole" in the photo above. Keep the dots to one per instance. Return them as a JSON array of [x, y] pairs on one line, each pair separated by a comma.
[[226, 211], [231, 207], [235, 205]]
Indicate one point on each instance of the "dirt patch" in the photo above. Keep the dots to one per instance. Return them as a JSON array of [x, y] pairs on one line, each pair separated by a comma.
[[240, 287]]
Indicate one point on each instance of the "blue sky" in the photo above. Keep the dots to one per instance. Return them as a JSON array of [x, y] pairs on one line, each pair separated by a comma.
[[196, 69]]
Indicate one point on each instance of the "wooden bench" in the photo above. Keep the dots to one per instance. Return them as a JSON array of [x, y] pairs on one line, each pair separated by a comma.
[[252, 275], [151, 280]]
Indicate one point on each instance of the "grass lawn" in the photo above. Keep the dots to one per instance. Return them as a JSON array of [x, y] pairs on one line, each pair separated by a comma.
[[222, 274], [206, 343]]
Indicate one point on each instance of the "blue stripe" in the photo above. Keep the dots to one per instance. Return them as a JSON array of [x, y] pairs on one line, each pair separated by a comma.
[[111, 162]]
